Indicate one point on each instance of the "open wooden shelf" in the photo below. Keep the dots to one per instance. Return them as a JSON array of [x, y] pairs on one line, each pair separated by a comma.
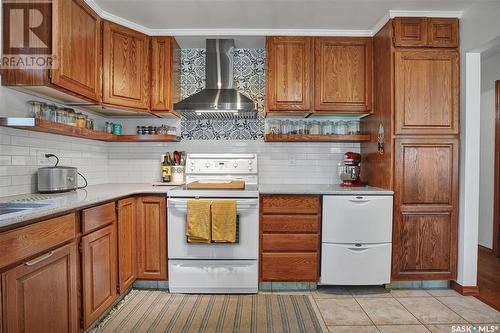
[[41, 125], [316, 138]]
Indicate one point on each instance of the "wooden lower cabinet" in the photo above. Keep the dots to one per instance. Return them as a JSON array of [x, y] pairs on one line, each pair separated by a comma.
[[151, 238], [40, 295], [426, 209], [290, 237], [99, 283], [127, 220], [425, 245]]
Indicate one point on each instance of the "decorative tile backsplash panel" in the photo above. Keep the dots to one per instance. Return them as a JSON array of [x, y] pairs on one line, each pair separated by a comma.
[[249, 79]]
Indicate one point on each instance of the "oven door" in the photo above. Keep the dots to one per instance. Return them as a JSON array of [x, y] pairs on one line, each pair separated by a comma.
[[247, 246]]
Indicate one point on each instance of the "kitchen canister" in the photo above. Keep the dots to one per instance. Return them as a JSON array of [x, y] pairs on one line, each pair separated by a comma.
[[117, 129], [177, 174]]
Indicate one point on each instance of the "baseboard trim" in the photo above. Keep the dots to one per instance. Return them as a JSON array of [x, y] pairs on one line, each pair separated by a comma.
[[464, 290], [484, 249]]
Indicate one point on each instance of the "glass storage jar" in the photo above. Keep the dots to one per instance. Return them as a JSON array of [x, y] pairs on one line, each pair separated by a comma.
[[353, 127], [274, 126]]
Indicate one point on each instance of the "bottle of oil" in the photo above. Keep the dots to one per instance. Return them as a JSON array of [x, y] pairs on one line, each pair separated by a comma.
[[165, 169]]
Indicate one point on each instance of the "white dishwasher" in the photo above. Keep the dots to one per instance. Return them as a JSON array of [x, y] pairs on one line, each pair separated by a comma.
[[356, 239]]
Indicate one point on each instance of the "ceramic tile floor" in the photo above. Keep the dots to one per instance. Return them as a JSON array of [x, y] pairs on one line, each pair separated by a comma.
[[375, 309]]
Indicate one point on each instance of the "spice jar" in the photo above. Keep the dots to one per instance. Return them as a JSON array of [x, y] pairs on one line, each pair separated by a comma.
[[108, 127], [70, 115], [89, 123], [81, 120]]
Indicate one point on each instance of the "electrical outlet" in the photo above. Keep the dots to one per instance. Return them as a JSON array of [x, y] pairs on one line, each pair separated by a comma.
[[41, 160]]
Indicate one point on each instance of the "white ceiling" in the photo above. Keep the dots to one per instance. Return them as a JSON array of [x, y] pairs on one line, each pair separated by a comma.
[[261, 17]]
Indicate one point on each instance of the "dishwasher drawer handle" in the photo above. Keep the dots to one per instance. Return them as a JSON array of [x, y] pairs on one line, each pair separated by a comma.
[[359, 200], [39, 259]]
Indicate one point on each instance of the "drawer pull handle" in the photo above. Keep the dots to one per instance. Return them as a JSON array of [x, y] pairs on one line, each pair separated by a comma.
[[39, 259], [357, 249], [359, 200]]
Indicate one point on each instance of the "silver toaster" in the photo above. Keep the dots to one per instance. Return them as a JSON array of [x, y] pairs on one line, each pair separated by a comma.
[[57, 179]]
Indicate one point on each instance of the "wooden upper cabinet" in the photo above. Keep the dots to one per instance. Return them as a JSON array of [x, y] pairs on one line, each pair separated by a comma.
[[78, 37], [289, 73], [343, 74], [151, 238], [425, 32], [127, 219], [165, 73], [125, 67], [99, 282], [410, 31], [427, 92], [41, 295], [442, 32], [76, 42]]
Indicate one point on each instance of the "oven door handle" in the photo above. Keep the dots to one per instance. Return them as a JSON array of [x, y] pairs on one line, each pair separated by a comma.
[[181, 204]]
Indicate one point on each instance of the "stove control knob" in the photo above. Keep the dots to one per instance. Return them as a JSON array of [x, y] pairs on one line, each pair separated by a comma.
[[250, 162], [207, 164], [250, 168], [235, 164], [192, 168]]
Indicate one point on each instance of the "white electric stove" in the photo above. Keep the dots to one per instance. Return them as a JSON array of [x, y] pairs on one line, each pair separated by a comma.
[[215, 267]]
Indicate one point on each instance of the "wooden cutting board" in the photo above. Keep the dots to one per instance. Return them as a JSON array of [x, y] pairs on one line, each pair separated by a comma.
[[217, 185]]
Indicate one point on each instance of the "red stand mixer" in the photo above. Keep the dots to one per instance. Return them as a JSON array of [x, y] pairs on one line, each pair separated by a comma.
[[350, 169]]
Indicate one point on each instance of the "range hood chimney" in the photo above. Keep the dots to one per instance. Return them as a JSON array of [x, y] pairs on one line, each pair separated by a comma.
[[219, 100]]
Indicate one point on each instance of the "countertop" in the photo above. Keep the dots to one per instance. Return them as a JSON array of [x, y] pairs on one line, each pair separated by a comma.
[[95, 194], [321, 189], [62, 202]]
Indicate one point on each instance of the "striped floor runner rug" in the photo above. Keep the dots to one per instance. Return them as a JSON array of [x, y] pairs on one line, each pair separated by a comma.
[[159, 311]]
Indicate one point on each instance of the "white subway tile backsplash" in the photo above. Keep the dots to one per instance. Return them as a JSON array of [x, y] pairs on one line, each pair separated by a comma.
[[22, 152]]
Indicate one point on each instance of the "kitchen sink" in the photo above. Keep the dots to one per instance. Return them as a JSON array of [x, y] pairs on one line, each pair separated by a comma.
[[15, 207]]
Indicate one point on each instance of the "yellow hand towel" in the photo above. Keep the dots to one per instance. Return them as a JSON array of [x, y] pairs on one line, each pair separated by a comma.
[[224, 221], [198, 221]]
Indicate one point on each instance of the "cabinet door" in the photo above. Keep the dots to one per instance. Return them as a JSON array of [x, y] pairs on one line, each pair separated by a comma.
[[427, 87], [289, 73], [127, 219], [99, 272], [343, 74], [426, 207], [40, 295], [165, 73], [442, 32], [125, 67], [78, 37], [151, 238], [410, 31]]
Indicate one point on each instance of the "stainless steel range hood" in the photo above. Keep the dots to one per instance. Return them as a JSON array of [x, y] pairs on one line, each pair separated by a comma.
[[219, 100]]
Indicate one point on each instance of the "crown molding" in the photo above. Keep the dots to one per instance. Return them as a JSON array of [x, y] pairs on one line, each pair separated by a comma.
[[260, 32], [426, 13], [269, 32], [380, 24]]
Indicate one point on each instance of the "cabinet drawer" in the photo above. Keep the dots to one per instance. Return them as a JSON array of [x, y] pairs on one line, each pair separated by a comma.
[[24, 242], [290, 242], [290, 223], [291, 204], [295, 266], [98, 217], [357, 219], [352, 264]]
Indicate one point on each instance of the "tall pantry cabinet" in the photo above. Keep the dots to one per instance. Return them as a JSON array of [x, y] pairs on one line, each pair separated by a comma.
[[414, 147]]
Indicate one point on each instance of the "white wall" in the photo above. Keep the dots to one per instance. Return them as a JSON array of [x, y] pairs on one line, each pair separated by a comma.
[[479, 30], [490, 72], [21, 153]]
